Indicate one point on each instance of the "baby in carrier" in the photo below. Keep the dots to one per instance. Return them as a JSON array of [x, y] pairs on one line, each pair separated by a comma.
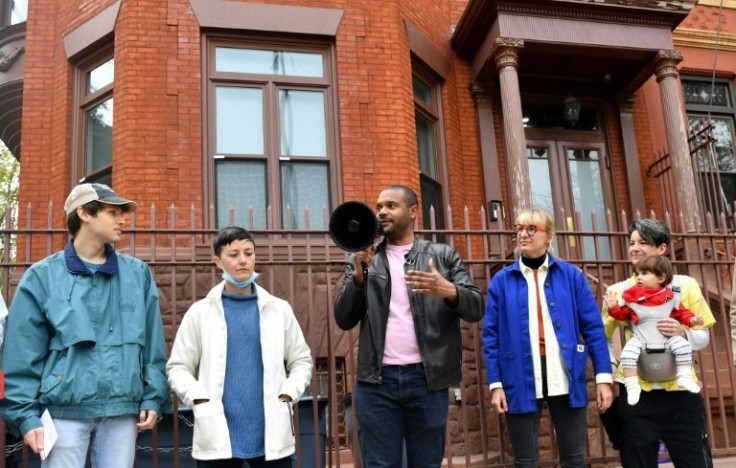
[[645, 303]]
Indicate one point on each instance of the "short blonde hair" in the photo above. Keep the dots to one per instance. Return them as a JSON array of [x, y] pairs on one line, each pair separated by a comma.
[[537, 217]]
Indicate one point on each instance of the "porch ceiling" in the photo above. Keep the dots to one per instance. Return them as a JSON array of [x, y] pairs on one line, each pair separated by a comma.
[[602, 43]]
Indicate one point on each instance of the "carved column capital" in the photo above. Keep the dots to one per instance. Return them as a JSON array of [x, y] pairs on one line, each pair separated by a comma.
[[505, 52], [665, 64], [626, 104], [480, 93]]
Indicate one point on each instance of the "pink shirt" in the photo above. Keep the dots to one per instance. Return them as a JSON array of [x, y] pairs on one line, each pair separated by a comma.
[[401, 340]]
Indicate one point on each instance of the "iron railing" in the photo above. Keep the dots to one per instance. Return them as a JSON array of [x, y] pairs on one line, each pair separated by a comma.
[[305, 268]]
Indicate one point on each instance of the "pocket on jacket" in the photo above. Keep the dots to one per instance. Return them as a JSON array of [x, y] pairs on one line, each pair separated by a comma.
[[580, 362], [210, 427], [54, 378], [509, 372], [286, 424]]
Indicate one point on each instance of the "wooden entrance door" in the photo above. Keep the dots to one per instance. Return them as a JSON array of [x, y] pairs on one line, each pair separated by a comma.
[[569, 176]]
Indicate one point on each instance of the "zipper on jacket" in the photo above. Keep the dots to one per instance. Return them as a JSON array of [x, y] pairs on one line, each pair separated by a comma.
[[291, 416]]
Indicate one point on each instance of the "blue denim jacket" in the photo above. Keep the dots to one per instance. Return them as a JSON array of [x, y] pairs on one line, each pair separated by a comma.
[[84, 345], [576, 320]]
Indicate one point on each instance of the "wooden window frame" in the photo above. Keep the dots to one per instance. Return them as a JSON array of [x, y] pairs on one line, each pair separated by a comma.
[[81, 104], [435, 115], [271, 85]]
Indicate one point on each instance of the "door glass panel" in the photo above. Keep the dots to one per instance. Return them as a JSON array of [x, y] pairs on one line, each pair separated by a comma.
[[587, 195], [241, 185], [539, 179], [239, 114], [268, 62], [541, 182], [98, 133], [304, 185], [303, 130], [426, 145]]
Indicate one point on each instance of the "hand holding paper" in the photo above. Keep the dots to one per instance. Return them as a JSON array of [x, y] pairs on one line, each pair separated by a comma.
[[48, 436]]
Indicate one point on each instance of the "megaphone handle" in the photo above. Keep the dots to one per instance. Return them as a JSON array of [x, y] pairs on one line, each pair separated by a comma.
[[365, 272]]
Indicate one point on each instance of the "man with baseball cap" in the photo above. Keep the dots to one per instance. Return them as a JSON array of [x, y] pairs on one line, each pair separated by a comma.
[[85, 342]]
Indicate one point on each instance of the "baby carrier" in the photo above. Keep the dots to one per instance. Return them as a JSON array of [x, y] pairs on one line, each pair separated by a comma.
[[656, 362]]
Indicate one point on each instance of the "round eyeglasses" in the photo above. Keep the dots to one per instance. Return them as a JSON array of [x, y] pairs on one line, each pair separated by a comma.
[[530, 229]]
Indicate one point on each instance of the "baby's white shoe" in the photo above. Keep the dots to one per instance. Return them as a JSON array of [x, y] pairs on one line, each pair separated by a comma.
[[633, 390]]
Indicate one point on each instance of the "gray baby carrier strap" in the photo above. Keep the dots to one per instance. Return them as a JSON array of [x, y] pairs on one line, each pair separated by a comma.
[[656, 362]]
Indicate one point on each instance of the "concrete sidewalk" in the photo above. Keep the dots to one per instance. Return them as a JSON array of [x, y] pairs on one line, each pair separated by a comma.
[[723, 462]]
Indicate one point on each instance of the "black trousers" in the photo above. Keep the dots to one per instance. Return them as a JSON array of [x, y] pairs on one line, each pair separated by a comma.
[[675, 418], [258, 462]]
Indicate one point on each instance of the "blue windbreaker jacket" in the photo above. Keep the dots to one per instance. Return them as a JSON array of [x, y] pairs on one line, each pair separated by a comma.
[[84, 345], [576, 319]]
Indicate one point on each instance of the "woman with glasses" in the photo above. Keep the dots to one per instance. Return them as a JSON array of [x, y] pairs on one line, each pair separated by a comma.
[[540, 326]]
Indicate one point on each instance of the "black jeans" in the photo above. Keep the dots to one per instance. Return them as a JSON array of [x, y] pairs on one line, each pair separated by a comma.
[[258, 462], [676, 418], [571, 429]]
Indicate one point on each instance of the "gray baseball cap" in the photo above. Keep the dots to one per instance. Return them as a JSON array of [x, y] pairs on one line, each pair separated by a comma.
[[85, 193]]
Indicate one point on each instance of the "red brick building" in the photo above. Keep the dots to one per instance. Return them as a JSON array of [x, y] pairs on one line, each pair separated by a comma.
[[220, 104], [462, 100]]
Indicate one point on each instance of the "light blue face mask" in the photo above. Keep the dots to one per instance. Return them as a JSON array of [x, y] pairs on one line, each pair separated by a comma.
[[239, 284]]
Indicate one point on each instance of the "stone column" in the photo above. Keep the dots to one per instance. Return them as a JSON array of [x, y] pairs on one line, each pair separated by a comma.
[[506, 56], [665, 69]]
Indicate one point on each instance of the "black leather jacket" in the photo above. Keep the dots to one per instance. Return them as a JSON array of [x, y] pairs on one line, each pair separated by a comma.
[[436, 323]]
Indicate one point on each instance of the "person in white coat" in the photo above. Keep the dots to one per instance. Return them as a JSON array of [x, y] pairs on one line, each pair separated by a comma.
[[241, 362]]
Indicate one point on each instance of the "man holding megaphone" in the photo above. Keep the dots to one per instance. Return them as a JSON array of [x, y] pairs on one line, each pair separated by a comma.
[[409, 295]]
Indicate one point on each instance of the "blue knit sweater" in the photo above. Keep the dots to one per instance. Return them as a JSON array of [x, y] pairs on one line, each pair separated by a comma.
[[242, 396]]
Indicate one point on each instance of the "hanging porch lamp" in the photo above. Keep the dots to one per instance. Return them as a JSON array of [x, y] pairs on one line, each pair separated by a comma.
[[572, 110]]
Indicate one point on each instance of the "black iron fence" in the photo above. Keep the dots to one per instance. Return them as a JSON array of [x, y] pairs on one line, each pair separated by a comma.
[[305, 268]]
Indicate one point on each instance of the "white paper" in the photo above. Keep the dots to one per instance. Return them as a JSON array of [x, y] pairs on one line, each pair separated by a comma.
[[49, 433]]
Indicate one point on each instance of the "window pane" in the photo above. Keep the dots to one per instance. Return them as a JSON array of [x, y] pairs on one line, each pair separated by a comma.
[[239, 120], [304, 185], [303, 131], [18, 11], [268, 62], [432, 198], [587, 193], [98, 141], [716, 160], [422, 92], [704, 94], [101, 76], [426, 145], [240, 186], [723, 132]]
